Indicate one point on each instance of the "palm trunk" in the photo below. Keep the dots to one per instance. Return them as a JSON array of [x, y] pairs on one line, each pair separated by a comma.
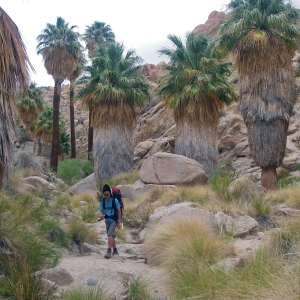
[[55, 133], [113, 151], [72, 124], [199, 143], [269, 178], [90, 134]]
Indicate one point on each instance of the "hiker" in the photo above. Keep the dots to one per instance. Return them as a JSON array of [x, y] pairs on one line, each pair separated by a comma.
[[110, 210]]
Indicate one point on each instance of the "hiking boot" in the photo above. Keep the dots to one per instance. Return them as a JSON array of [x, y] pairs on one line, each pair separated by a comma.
[[108, 254], [115, 252]]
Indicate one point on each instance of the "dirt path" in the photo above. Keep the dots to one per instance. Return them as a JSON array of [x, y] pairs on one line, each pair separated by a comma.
[[110, 272]]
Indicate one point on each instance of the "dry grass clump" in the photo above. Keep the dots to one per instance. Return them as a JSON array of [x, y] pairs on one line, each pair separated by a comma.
[[288, 196], [75, 200], [122, 178], [183, 241]]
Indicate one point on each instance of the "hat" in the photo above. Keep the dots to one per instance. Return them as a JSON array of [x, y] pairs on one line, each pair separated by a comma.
[[106, 188]]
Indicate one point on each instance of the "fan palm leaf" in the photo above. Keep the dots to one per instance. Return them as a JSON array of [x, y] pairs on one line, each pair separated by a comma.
[[14, 75]]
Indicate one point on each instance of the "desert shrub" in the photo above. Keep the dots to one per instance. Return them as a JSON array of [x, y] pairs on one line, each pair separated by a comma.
[[24, 248], [88, 212], [285, 239], [73, 170], [84, 294], [219, 182], [288, 195], [53, 232], [182, 241], [79, 232], [75, 200], [137, 289], [261, 207]]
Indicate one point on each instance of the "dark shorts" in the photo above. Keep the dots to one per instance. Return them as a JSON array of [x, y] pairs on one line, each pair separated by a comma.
[[111, 228]]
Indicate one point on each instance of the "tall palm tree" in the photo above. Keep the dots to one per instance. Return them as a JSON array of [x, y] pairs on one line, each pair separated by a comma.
[[81, 61], [195, 88], [263, 35], [14, 74], [59, 46], [113, 87], [98, 34], [30, 104]]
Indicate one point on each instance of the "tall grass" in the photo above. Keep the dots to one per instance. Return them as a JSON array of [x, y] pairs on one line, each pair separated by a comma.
[[137, 289], [182, 241], [219, 182], [24, 247], [84, 294]]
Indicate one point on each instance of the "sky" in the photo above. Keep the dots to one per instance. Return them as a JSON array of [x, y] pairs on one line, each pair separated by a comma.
[[138, 24]]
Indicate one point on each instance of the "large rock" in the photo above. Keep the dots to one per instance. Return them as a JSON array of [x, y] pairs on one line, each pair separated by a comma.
[[165, 214], [167, 168], [85, 186], [58, 275], [239, 227], [139, 188], [39, 182]]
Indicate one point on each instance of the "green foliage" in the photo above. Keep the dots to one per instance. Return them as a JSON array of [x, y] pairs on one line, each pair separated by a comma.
[[287, 181], [219, 182], [53, 232], [24, 246], [261, 207], [137, 217], [88, 212], [64, 143], [73, 170], [84, 294], [79, 232], [196, 74], [137, 289]]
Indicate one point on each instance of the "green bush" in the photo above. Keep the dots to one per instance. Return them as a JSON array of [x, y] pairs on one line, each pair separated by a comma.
[[24, 247], [219, 181], [137, 289], [73, 170]]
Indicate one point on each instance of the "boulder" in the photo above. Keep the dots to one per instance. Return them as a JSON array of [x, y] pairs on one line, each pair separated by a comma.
[[139, 188], [84, 186], [39, 182], [164, 214], [239, 227], [58, 275], [243, 190], [168, 168]]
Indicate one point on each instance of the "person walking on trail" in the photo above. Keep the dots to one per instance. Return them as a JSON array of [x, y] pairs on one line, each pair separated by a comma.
[[110, 210]]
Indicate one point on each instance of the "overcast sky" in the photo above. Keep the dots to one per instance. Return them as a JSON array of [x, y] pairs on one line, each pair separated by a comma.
[[141, 25]]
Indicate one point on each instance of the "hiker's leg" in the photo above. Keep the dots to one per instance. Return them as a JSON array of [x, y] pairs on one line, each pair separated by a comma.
[[111, 235]]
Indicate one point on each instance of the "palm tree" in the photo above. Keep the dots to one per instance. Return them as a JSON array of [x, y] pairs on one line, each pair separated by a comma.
[[195, 88], [98, 34], [59, 46], [263, 35], [43, 126], [14, 75], [113, 87], [30, 104], [75, 74]]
